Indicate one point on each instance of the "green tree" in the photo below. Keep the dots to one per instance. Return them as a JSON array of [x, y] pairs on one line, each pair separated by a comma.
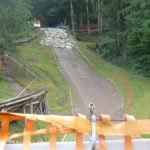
[[51, 12], [14, 15], [138, 34], [126, 22], [139, 47]]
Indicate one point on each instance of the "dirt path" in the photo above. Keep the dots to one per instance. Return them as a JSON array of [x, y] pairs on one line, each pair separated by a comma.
[[128, 89], [89, 86]]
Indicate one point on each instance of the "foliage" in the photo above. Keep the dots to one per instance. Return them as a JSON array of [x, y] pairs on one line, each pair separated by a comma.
[[127, 21], [51, 12], [110, 50], [13, 18], [139, 46]]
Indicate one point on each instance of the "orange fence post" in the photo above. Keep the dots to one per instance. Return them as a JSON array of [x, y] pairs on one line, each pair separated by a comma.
[[104, 119], [128, 139], [27, 134], [4, 132], [102, 142], [79, 141], [75, 124], [53, 137]]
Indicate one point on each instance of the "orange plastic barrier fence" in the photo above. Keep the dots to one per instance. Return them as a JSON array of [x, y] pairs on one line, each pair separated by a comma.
[[73, 124]]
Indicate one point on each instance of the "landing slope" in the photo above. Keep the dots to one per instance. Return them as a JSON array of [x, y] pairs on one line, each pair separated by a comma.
[[89, 86]]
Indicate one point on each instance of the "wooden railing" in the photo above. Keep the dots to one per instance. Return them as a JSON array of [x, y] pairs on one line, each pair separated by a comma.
[[84, 27]]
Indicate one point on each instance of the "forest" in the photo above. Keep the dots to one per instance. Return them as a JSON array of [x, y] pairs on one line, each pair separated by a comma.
[[126, 22]]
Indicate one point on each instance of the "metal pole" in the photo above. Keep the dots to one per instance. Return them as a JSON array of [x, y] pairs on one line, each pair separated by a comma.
[[99, 15], [88, 21], [101, 20], [93, 136], [93, 144], [72, 18]]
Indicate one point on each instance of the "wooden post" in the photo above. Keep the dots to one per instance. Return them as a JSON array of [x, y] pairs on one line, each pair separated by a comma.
[[31, 108], [46, 104], [24, 109], [2, 63], [41, 110]]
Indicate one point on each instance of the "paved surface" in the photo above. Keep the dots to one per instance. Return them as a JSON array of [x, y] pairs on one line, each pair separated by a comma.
[[89, 86]]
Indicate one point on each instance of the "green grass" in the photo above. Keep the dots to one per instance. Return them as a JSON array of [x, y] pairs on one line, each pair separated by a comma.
[[140, 107], [5, 91], [44, 64], [102, 38]]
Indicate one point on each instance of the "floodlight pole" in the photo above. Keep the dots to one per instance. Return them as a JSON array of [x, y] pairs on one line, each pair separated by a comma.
[[88, 21], [99, 16], [72, 18]]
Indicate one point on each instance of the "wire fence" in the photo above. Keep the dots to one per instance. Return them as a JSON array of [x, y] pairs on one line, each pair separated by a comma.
[[17, 71]]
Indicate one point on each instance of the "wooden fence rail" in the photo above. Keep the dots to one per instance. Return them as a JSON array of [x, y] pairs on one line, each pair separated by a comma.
[[77, 125]]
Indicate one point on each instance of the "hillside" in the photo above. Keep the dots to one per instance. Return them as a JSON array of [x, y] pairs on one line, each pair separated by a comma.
[[134, 88], [41, 60]]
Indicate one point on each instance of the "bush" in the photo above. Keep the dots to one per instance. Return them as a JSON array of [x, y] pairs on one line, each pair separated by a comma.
[[142, 65], [110, 50], [139, 47]]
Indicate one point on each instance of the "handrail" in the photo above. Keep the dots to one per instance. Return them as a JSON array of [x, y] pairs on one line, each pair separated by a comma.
[[72, 125]]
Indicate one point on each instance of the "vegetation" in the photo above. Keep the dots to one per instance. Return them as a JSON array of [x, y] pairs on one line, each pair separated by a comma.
[[128, 24], [5, 91], [13, 18], [50, 12], [125, 21]]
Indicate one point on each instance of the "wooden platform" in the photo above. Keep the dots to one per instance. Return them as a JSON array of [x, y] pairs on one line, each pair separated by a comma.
[[34, 102]]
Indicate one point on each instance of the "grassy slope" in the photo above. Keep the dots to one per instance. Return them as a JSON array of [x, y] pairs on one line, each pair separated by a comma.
[[59, 91], [140, 85], [5, 91], [50, 77]]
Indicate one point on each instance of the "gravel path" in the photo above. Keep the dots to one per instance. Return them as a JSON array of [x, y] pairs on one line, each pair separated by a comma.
[[89, 86]]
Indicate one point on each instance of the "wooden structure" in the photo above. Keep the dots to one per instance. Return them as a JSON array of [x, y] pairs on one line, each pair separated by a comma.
[[2, 61], [32, 103], [84, 28], [79, 125]]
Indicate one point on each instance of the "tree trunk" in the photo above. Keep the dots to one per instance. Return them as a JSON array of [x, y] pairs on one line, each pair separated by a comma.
[[81, 21], [99, 16]]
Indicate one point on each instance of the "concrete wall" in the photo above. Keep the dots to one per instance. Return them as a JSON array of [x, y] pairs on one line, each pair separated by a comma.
[[140, 144]]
